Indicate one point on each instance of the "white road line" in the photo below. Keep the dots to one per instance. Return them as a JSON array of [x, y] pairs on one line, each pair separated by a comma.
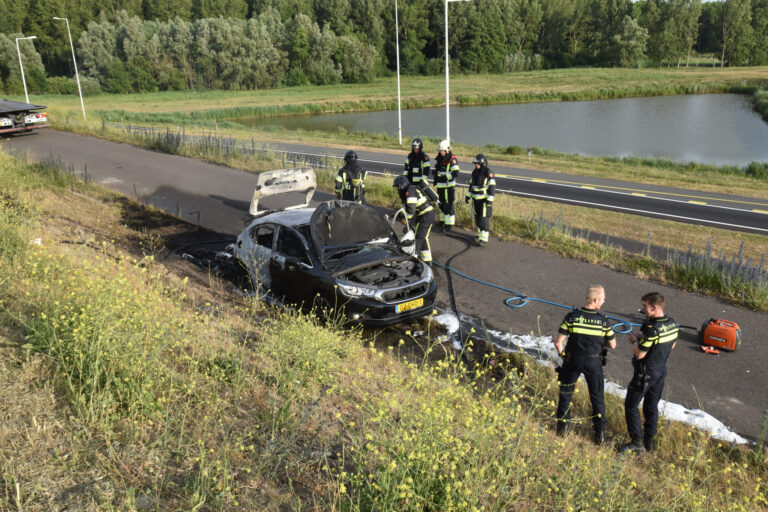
[[632, 210], [657, 198]]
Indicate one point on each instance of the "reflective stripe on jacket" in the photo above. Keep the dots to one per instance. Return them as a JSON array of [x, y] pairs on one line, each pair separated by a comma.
[[415, 202], [482, 185], [446, 171], [351, 178], [416, 166]]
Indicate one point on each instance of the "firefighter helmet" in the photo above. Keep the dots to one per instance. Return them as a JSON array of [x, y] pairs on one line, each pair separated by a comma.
[[481, 159], [443, 146], [350, 157], [401, 183], [417, 142]]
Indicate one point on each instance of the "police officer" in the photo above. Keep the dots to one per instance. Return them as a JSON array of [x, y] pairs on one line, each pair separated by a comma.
[[587, 332], [481, 189], [420, 212], [651, 347], [350, 181], [445, 172], [417, 163]]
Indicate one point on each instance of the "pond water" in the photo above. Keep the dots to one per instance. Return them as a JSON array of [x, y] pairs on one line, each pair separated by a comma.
[[711, 128]]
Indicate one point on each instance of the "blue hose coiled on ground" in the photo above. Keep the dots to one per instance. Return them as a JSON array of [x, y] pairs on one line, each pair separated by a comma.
[[518, 300]]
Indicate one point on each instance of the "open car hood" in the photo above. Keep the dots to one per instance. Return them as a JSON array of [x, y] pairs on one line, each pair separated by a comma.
[[346, 223], [288, 188]]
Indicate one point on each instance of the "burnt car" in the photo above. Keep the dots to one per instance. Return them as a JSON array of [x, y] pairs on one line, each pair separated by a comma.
[[340, 256]]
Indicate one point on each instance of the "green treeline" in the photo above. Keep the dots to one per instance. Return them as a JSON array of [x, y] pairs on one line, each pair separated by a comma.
[[148, 45]]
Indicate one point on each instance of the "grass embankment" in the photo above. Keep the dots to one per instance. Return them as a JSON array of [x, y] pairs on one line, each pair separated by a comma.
[[132, 389]]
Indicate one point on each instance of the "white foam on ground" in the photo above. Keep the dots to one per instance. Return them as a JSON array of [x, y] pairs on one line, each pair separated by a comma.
[[545, 348]]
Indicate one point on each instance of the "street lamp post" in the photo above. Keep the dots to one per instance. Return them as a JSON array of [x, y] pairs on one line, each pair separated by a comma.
[[21, 65], [74, 60], [447, 95], [397, 59]]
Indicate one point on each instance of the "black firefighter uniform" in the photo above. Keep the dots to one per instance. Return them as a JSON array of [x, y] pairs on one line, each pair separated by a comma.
[[480, 191], [445, 172], [420, 212], [350, 183], [416, 167]]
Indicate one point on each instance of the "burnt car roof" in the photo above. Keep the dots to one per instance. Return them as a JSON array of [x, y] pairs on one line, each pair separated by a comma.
[[336, 223], [291, 218]]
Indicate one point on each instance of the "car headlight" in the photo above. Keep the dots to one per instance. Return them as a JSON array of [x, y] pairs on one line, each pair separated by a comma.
[[356, 291], [426, 272]]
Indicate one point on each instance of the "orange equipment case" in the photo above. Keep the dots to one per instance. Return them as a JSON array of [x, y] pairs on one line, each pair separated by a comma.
[[720, 333]]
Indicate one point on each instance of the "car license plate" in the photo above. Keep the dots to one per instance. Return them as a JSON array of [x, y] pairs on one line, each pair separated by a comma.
[[405, 306]]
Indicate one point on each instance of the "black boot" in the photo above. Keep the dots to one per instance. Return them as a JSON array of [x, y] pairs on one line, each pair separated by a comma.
[[598, 437], [634, 446], [562, 428], [649, 443]]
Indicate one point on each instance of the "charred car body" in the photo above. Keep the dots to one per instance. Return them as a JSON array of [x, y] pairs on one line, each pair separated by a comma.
[[341, 256]]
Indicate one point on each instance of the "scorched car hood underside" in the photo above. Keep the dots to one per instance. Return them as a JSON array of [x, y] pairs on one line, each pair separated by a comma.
[[344, 223]]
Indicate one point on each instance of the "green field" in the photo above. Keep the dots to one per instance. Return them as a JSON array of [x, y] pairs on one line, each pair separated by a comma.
[[550, 85]]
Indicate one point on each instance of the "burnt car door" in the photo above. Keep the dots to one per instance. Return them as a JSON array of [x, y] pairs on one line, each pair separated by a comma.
[[289, 266], [256, 253]]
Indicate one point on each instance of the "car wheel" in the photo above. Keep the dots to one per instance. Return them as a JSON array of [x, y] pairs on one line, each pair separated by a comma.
[[326, 312], [322, 307], [242, 276]]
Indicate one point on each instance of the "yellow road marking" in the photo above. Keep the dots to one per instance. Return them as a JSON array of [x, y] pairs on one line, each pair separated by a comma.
[[638, 194], [587, 186], [696, 202], [537, 180], [760, 211]]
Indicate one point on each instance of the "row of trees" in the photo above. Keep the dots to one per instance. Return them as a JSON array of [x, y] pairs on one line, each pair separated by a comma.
[[157, 44], [131, 55]]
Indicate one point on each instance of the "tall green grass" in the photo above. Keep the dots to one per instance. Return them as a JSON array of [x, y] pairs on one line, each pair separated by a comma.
[[201, 406]]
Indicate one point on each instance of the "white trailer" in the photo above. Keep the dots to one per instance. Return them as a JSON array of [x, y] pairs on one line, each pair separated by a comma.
[[21, 117]]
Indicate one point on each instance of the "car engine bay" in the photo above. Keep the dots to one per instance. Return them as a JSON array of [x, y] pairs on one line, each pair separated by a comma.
[[390, 273]]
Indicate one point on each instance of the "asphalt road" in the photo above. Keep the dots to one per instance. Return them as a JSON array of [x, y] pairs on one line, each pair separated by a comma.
[[730, 386]]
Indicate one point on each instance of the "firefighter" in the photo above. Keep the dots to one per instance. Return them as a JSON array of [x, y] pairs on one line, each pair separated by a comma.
[[350, 181], [481, 189], [587, 332], [417, 163], [651, 348], [445, 172], [421, 213]]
